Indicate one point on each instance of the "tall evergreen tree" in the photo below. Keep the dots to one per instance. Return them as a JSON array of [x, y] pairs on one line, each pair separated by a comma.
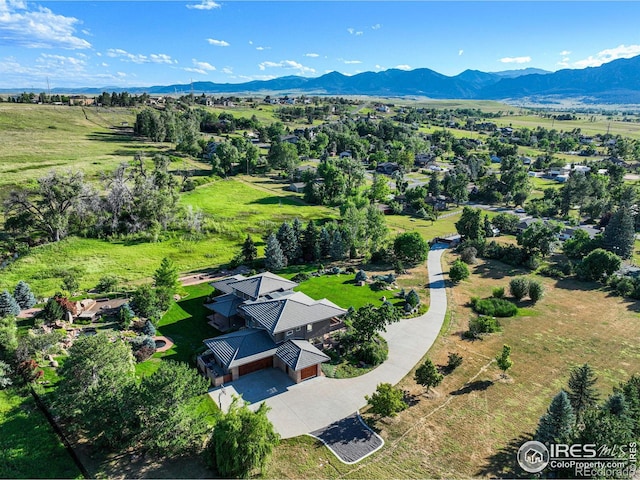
[[288, 242], [338, 246], [311, 245], [556, 426], [249, 250], [428, 375], [582, 393], [296, 225], [52, 311], [166, 276], [325, 242], [274, 257], [23, 295], [619, 235], [8, 305], [434, 187]]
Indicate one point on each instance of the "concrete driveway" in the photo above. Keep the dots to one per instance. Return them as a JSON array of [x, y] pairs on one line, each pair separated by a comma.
[[301, 408]]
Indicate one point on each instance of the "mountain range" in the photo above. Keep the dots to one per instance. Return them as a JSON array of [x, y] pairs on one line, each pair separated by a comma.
[[615, 82]]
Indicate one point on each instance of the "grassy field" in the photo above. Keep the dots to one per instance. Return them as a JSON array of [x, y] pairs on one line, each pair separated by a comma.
[[46, 137], [474, 422], [235, 208], [28, 446]]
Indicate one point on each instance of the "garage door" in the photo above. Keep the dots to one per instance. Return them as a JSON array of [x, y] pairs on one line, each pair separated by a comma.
[[255, 366], [308, 372]]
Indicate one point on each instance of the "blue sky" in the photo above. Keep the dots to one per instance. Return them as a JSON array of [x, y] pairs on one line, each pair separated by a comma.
[[126, 43]]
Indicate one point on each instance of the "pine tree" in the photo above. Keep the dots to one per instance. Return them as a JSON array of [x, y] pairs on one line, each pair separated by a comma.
[[488, 228], [412, 298], [325, 242], [556, 426], [23, 295], [249, 250], [338, 246], [619, 234], [311, 244], [274, 257], [296, 225], [288, 242], [8, 305], [434, 187], [52, 311], [166, 276], [582, 393]]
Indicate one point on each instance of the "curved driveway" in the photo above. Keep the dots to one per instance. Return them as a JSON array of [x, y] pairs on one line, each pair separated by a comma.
[[301, 408]]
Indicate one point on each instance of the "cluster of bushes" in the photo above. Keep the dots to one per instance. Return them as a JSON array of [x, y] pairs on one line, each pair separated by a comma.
[[493, 307], [22, 298], [625, 286], [480, 326], [520, 287], [143, 345], [557, 270]]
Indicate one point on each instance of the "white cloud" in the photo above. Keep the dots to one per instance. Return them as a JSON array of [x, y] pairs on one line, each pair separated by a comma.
[[351, 30], [256, 77], [287, 64], [37, 28], [608, 55], [203, 65], [125, 56], [358, 33], [312, 55], [217, 43], [227, 70], [403, 67], [351, 62], [250, 42], [104, 64], [379, 67], [263, 48], [377, 26], [204, 5], [460, 52], [515, 59], [195, 70], [564, 53]]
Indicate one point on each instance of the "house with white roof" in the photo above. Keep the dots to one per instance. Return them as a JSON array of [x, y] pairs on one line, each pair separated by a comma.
[[276, 327]]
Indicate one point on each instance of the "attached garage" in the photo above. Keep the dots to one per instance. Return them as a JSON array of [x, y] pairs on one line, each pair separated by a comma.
[[255, 366], [309, 372]]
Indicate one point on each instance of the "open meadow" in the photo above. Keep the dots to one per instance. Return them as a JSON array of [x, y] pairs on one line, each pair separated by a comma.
[[474, 422]]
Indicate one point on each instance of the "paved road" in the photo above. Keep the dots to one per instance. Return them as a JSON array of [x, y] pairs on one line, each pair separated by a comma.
[[314, 404]]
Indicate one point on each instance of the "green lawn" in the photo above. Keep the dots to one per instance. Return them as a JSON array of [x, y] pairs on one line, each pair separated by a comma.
[[186, 324], [28, 446], [341, 290]]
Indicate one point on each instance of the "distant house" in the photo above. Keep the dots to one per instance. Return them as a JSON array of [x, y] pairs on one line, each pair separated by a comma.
[[346, 154], [495, 159], [297, 187], [277, 327], [424, 159], [289, 139], [387, 168]]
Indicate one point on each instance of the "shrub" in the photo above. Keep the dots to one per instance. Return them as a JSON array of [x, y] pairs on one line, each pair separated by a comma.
[[498, 292], [23, 295], [378, 285], [149, 329], [458, 271], [494, 307], [623, 286], [519, 287], [387, 400], [480, 326], [412, 298], [373, 353], [536, 290], [107, 284], [350, 270], [453, 361], [468, 255], [335, 270], [301, 277], [361, 276]]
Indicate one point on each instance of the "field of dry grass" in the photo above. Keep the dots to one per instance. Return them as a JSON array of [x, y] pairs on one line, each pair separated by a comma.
[[473, 423]]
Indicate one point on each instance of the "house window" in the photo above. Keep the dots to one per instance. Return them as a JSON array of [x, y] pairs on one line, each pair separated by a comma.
[[309, 327], [289, 333]]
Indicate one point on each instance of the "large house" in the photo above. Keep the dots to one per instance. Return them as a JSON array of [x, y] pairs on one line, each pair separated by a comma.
[[274, 327]]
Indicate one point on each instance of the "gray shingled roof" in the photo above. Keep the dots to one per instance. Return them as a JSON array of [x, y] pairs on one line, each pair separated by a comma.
[[225, 305], [243, 346], [223, 285], [262, 284], [287, 312], [299, 354]]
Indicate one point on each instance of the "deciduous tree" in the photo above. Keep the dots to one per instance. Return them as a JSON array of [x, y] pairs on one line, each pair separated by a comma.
[[387, 400], [428, 375]]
